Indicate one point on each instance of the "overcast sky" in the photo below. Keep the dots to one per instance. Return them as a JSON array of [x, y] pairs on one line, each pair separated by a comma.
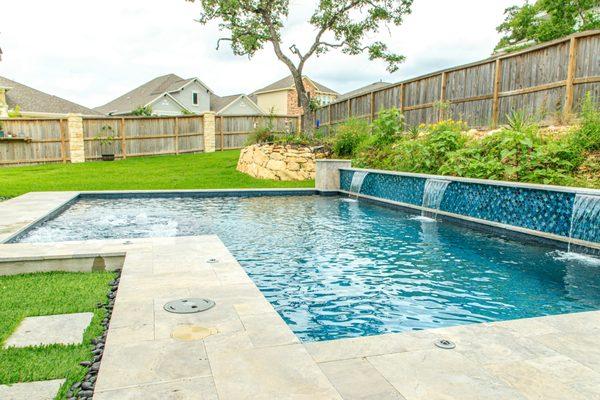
[[93, 51]]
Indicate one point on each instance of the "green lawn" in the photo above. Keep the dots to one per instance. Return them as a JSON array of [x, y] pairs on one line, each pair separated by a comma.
[[47, 294], [188, 171]]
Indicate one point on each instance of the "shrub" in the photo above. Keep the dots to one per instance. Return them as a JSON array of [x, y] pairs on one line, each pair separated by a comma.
[[588, 135], [142, 111], [388, 126], [350, 136]]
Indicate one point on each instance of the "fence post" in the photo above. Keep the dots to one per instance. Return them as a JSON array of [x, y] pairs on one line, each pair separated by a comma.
[[495, 100], [123, 140], [75, 132], [568, 106], [63, 142], [441, 111], [402, 98], [372, 106], [209, 132], [176, 135], [221, 132]]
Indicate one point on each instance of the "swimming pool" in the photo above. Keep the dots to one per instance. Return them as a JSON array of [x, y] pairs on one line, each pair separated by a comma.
[[335, 268]]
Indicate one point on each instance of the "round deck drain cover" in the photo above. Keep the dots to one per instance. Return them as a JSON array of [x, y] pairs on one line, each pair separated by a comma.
[[445, 344], [189, 306]]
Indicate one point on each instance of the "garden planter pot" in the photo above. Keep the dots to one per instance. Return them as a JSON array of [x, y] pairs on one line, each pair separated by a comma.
[[108, 151]]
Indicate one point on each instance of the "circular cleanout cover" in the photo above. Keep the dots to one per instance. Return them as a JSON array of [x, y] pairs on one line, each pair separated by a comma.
[[445, 344], [189, 306]]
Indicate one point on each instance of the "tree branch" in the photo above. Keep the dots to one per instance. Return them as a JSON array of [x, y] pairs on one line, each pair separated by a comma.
[[324, 29]]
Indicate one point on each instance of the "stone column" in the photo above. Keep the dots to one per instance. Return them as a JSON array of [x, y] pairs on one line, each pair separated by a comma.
[[3, 105], [209, 132], [328, 174], [75, 133]]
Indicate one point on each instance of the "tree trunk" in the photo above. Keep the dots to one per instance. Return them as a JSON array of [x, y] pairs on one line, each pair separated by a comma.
[[303, 101]]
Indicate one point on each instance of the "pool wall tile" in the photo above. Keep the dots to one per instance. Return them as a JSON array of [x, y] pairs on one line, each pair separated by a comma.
[[544, 210]]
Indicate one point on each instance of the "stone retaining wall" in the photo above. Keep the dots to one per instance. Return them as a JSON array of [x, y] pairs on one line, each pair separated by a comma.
[[280, 162]]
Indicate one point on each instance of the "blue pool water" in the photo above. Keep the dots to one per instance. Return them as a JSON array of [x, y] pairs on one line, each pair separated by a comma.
[[334, 268]]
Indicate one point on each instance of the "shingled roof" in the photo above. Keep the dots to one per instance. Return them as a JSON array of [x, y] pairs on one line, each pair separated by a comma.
[[144, 94], [288, 82], [35, 101], [363, 90]]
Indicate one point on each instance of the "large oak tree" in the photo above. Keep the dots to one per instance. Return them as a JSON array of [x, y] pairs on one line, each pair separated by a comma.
[[344, 25]]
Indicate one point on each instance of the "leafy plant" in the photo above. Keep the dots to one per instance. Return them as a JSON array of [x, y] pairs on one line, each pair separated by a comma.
[[142, 111], [588, 134], [546, 20], [349, 137], [388, 126], [106, 135], [520, 121], [15, 112]]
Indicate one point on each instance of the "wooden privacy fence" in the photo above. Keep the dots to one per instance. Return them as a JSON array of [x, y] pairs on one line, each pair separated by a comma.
[[74, 139], [43, 140], [233, 132], [135, 136], [549, 78]]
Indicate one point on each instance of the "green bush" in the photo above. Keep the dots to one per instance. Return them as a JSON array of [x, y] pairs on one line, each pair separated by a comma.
[[388, 126], [349, 137], [588, 135]]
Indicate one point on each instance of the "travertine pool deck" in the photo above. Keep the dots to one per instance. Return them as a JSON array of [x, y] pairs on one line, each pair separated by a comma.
[[253, 354]]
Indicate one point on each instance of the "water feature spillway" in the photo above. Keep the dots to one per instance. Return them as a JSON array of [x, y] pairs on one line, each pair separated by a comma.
[[357, 181], [585, 219], [433, 193]]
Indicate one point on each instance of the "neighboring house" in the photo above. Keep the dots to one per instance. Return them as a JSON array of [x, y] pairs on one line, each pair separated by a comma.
[[363, 90], [35, 103], [281, 98], [165, 95], [236, 104]]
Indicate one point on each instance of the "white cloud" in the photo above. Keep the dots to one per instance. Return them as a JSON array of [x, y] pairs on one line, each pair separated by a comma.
[[92, 52]]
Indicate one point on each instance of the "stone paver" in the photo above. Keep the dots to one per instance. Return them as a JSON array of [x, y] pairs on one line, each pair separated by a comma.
[[50, 329], [41, 390], [357, 379]]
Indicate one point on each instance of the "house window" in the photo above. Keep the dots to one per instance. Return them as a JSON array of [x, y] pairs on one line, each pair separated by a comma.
[[195, 98]]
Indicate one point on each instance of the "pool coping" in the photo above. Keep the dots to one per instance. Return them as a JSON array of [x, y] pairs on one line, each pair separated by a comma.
[[255, 355]]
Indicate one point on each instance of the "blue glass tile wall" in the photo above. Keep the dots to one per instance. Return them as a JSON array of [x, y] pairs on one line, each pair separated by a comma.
[[540, 210]]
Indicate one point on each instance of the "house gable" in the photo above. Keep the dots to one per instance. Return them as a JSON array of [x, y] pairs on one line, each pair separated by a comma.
[[185, 96], [241, 106], [166, 105]]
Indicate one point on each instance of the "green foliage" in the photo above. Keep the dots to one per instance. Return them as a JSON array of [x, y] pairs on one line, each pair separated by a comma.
[[588, 135], [517, 152], [263, 134], [388, 126], [520, 121], [349, 136], [515, 155], [15, 112], [547, 20], [106, 136], [252, 24], [142, 111]]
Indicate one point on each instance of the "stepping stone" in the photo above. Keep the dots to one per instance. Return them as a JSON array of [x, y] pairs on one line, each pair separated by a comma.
[[50, 329], [41, 390]]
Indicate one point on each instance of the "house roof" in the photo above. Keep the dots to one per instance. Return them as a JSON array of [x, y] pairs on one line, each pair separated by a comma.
[[363, 90], [220, 103], [217, 103], [32, 100], [288, 82], [146, 94]]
